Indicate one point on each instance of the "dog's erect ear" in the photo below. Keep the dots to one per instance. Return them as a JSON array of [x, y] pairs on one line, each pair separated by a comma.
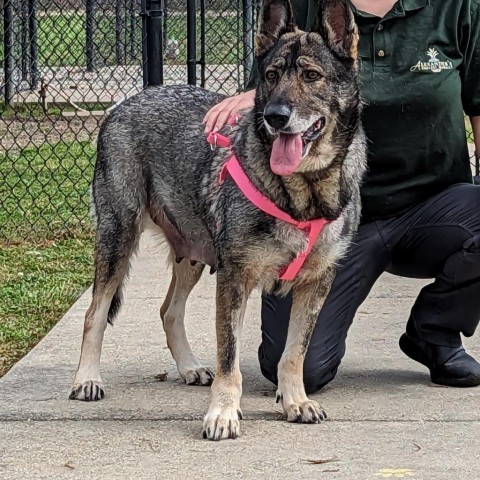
[[275, 19], [336, 24]]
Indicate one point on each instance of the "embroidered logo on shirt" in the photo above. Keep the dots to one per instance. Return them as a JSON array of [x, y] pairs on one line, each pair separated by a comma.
[[433, 65]]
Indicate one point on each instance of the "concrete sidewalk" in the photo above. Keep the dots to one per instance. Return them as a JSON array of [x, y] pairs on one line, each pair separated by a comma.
[[386, 420]]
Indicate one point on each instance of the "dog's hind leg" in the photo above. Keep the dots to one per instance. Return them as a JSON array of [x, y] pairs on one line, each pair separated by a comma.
[[116, 240], [223, 417], [184, 278]]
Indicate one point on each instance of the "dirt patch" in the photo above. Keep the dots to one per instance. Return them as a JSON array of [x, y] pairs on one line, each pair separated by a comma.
[[17, 134]]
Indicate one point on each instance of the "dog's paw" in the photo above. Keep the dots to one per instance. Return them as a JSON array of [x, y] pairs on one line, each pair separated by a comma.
[[91, 390], [307, 411], [222, 423], [198, 376]]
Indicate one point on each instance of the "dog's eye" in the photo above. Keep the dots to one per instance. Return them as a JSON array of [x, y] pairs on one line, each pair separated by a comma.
[[311, 75], [271, 76]]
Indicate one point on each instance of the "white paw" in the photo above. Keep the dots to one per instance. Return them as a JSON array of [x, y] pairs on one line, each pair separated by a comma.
[[197, 375], [222, 423], [90, 390], [302, 411]]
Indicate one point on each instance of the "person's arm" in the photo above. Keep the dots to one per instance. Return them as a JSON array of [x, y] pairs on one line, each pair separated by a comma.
[[476, 133], [218, 115]]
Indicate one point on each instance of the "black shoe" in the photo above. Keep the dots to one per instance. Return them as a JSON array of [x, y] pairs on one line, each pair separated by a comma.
[[451, 366]]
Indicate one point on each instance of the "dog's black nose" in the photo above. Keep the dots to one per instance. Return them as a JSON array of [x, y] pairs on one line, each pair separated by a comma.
[[277, 115]]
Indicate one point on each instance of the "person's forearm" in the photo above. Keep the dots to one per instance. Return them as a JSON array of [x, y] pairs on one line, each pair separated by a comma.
[[476, 133]]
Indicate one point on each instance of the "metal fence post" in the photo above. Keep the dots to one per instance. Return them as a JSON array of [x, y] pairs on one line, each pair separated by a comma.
[[248, 49], [89, 31], [118, 32], [152, 46], [191, 43], [8, 50], [165, 24], [143, 15], [131, 13], [24, 40], [32, 29], [203, 46]]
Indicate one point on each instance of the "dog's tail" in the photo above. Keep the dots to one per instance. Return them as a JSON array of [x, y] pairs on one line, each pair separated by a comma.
[[116, 304], [115, 246]]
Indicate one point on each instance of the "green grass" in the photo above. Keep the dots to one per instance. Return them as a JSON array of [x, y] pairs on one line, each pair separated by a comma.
[[44, 197], [221, 39], [45, 191], [61, 39], [38, 283]]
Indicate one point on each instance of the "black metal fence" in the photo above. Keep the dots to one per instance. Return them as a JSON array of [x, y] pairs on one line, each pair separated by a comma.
[[64, 64]]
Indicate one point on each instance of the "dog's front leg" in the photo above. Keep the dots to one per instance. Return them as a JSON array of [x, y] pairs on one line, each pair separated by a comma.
[[223, 417], [308, 300]]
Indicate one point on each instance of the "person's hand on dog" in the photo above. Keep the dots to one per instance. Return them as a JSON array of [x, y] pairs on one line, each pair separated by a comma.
[[218, 115]]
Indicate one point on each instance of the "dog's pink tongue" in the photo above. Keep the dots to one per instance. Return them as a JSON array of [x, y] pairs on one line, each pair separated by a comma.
[[286, 154]]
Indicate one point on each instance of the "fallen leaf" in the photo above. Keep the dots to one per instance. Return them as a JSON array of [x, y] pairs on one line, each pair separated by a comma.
[[69, 465], [321, 462], [162, 377]]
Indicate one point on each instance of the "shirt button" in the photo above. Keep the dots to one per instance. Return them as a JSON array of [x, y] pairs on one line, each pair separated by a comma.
[[380, 28], [381, 53]]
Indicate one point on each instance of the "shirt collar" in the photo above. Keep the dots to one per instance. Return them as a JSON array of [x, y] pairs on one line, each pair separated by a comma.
[[409, 5]]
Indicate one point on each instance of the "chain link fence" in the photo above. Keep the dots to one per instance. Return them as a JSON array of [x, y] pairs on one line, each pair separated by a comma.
[[223, 43], [64, 64]]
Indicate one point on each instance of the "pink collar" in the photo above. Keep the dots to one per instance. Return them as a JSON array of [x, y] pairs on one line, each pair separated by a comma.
[[312, 228]]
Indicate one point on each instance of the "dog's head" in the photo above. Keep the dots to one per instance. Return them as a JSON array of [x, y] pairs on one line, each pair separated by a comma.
[[308, 85]]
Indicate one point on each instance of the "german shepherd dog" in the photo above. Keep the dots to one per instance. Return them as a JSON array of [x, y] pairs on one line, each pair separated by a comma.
[[302, 146]]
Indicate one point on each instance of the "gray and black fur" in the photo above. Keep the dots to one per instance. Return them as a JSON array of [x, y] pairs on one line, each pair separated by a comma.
[[156, 170]]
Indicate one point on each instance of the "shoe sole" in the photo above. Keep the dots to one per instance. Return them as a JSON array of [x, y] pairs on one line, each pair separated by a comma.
[[410, 349]]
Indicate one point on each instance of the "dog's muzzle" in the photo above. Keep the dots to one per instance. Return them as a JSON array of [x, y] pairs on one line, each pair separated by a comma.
[[277, 115]]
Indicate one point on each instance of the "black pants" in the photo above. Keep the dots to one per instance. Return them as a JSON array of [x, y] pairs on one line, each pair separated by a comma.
[[437, 239]]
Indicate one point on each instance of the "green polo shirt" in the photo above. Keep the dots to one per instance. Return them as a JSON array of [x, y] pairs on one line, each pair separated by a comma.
[[420, 73]]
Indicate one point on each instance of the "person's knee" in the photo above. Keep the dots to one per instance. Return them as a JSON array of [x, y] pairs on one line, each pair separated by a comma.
[[317, 375], [464, 266], [268, 358], [316, 372]]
